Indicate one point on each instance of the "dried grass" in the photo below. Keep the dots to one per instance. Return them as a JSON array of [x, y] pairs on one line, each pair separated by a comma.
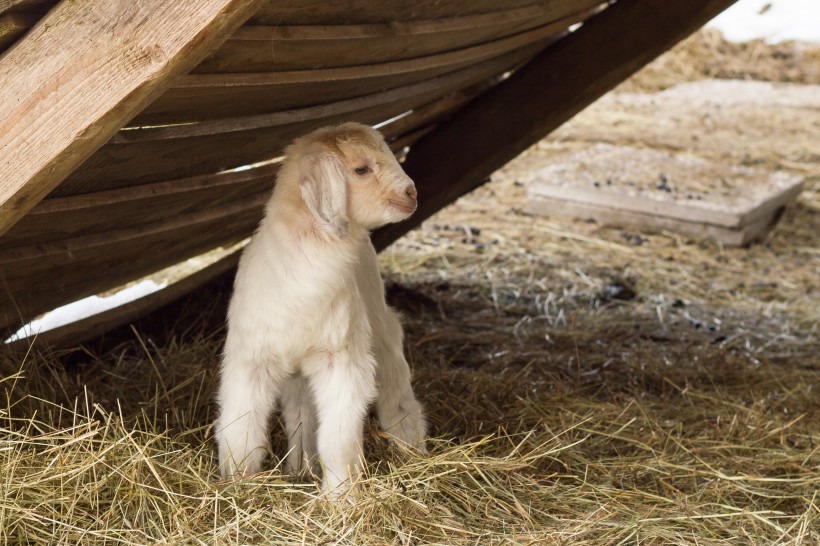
[[584, 385], [614, 428], [706, 54]]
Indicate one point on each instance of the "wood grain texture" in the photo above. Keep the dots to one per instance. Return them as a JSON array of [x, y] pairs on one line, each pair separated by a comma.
[[55, 219], [198, 97], [148, 155], [85, 71], [282, 48], [38, 279], [321, 12], [30, 259], [432, 112], [554, 86]]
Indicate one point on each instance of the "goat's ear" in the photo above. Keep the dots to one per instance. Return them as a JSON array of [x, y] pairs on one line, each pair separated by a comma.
[[323, 183]]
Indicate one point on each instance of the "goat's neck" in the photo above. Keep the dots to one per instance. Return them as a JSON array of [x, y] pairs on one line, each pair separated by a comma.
[[300, 235]]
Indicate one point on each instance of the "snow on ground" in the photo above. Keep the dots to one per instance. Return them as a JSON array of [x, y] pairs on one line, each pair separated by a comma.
[[84, 308], [772, 20]]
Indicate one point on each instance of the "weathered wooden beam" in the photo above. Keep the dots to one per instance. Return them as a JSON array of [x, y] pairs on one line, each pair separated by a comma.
[[85, 70], [557, 84], [75, 333]]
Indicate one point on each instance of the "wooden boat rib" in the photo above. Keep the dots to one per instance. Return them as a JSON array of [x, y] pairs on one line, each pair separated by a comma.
[[123, 125], [251, 48]]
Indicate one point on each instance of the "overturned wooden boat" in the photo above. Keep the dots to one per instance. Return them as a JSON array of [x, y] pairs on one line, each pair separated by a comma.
[[135, 135]]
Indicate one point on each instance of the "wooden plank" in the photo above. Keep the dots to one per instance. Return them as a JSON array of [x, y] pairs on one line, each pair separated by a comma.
[[92, 327], [732, 218], [689, 191], [40, 279], [108, 61], [146, 155], [31, 259], [31, 298], [407, 129], [737, 236], [451, 81], [147, 161], [198, 97], [55, 219], [319, 12], [407, 139], [431, 113], [554, 86], [282, 48]]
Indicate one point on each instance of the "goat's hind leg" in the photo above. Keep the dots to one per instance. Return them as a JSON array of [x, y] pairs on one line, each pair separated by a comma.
[[299, 414], [399, 413]]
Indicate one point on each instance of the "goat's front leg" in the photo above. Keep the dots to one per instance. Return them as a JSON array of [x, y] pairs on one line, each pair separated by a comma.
[[343, 388], [247, 396]]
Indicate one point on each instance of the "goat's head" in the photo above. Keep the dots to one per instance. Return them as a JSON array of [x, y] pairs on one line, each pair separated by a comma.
[[347, 174]]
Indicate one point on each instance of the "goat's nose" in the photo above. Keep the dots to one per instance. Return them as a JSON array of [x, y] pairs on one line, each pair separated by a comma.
[[411, 192]]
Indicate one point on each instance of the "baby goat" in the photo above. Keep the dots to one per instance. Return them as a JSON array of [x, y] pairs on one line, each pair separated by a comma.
[[308, 325]]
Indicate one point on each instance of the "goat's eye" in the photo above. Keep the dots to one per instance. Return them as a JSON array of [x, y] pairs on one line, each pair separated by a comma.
[[362, 170]]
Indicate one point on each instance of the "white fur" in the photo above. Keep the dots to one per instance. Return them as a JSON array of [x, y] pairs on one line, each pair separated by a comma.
[[308, 325]]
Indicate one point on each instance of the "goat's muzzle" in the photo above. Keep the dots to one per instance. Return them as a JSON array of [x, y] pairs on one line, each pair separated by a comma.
[[405, 203]]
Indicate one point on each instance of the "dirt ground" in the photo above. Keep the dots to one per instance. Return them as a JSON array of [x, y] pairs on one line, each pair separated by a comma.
[[621, 316], [489, 239]]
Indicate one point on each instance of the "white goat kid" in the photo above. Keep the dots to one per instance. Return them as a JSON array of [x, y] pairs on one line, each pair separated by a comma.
[[308, 325]]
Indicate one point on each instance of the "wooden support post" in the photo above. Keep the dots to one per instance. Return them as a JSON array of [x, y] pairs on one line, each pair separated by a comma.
[[85, 70], [557, 84]]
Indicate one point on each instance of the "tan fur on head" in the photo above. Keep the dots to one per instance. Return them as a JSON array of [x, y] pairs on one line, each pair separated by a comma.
[[347, 177]]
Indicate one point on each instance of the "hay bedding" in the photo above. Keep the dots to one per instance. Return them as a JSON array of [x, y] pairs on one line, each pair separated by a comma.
[[584, 385]]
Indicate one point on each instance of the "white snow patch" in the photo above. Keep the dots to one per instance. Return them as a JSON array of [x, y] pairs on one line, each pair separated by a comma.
[[84, 308], [771, 20]]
